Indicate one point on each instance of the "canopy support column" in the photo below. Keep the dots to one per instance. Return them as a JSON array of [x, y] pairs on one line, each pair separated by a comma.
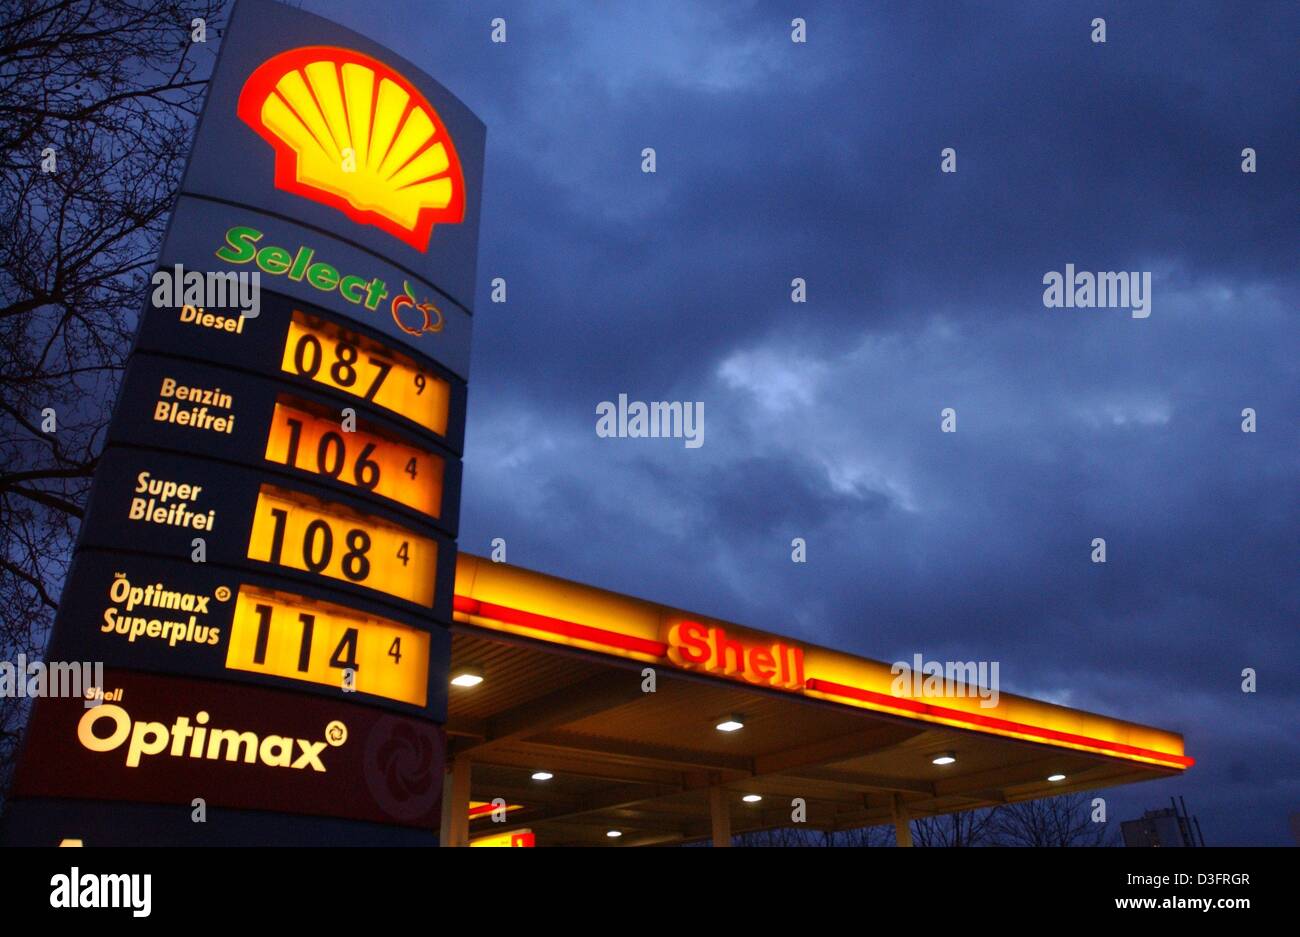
[[902, 829], [455, 803], [720, 813]]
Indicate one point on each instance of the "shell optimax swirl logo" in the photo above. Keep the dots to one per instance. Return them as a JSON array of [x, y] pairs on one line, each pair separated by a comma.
[[404, 767], [351, 133]]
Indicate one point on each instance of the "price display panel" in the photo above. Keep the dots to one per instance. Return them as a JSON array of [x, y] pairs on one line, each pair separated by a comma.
[[147, 613], [340, 358], [311, 440], [301, 532], [207, 512], [202, 410], [296, 343], [283, 635]]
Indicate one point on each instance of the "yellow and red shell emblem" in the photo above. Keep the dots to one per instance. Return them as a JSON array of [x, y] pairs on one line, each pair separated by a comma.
[[351, 133]]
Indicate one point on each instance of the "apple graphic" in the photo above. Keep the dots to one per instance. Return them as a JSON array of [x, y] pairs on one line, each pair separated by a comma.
[[407, 298]]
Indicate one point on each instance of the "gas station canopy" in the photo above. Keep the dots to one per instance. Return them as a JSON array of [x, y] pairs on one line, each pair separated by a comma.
[[663, 726]]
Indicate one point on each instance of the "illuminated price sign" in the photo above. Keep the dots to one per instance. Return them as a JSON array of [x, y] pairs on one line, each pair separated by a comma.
[[349, 362], [299, 432], [312, 442], [296, 342], [204, 620], [301, 532], [160, 502], [288, 636]]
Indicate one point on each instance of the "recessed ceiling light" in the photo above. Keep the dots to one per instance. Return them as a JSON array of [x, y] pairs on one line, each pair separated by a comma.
[[731, 723], [752, 798], [467, 676], [946, 758], [1056, 777], [614, 834], [542, 775]]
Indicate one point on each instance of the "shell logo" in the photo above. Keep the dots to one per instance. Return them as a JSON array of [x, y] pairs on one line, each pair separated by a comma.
[[351, 133]]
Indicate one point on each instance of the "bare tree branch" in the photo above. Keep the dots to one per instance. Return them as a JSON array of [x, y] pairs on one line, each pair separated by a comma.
[[97, 106]]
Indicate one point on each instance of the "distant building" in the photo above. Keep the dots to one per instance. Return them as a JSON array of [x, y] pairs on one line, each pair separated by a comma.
[[1168, 826]]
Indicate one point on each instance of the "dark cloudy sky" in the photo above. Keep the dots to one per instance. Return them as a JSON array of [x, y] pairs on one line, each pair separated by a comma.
[[821, 161]]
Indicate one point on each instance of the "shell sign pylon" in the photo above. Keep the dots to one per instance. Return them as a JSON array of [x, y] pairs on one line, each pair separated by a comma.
[[261, 594]]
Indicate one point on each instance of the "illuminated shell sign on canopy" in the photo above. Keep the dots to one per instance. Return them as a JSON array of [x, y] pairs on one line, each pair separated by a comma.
[[351, 133]]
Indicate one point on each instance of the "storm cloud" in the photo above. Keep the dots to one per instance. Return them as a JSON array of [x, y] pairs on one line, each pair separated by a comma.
[[778, 160]]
